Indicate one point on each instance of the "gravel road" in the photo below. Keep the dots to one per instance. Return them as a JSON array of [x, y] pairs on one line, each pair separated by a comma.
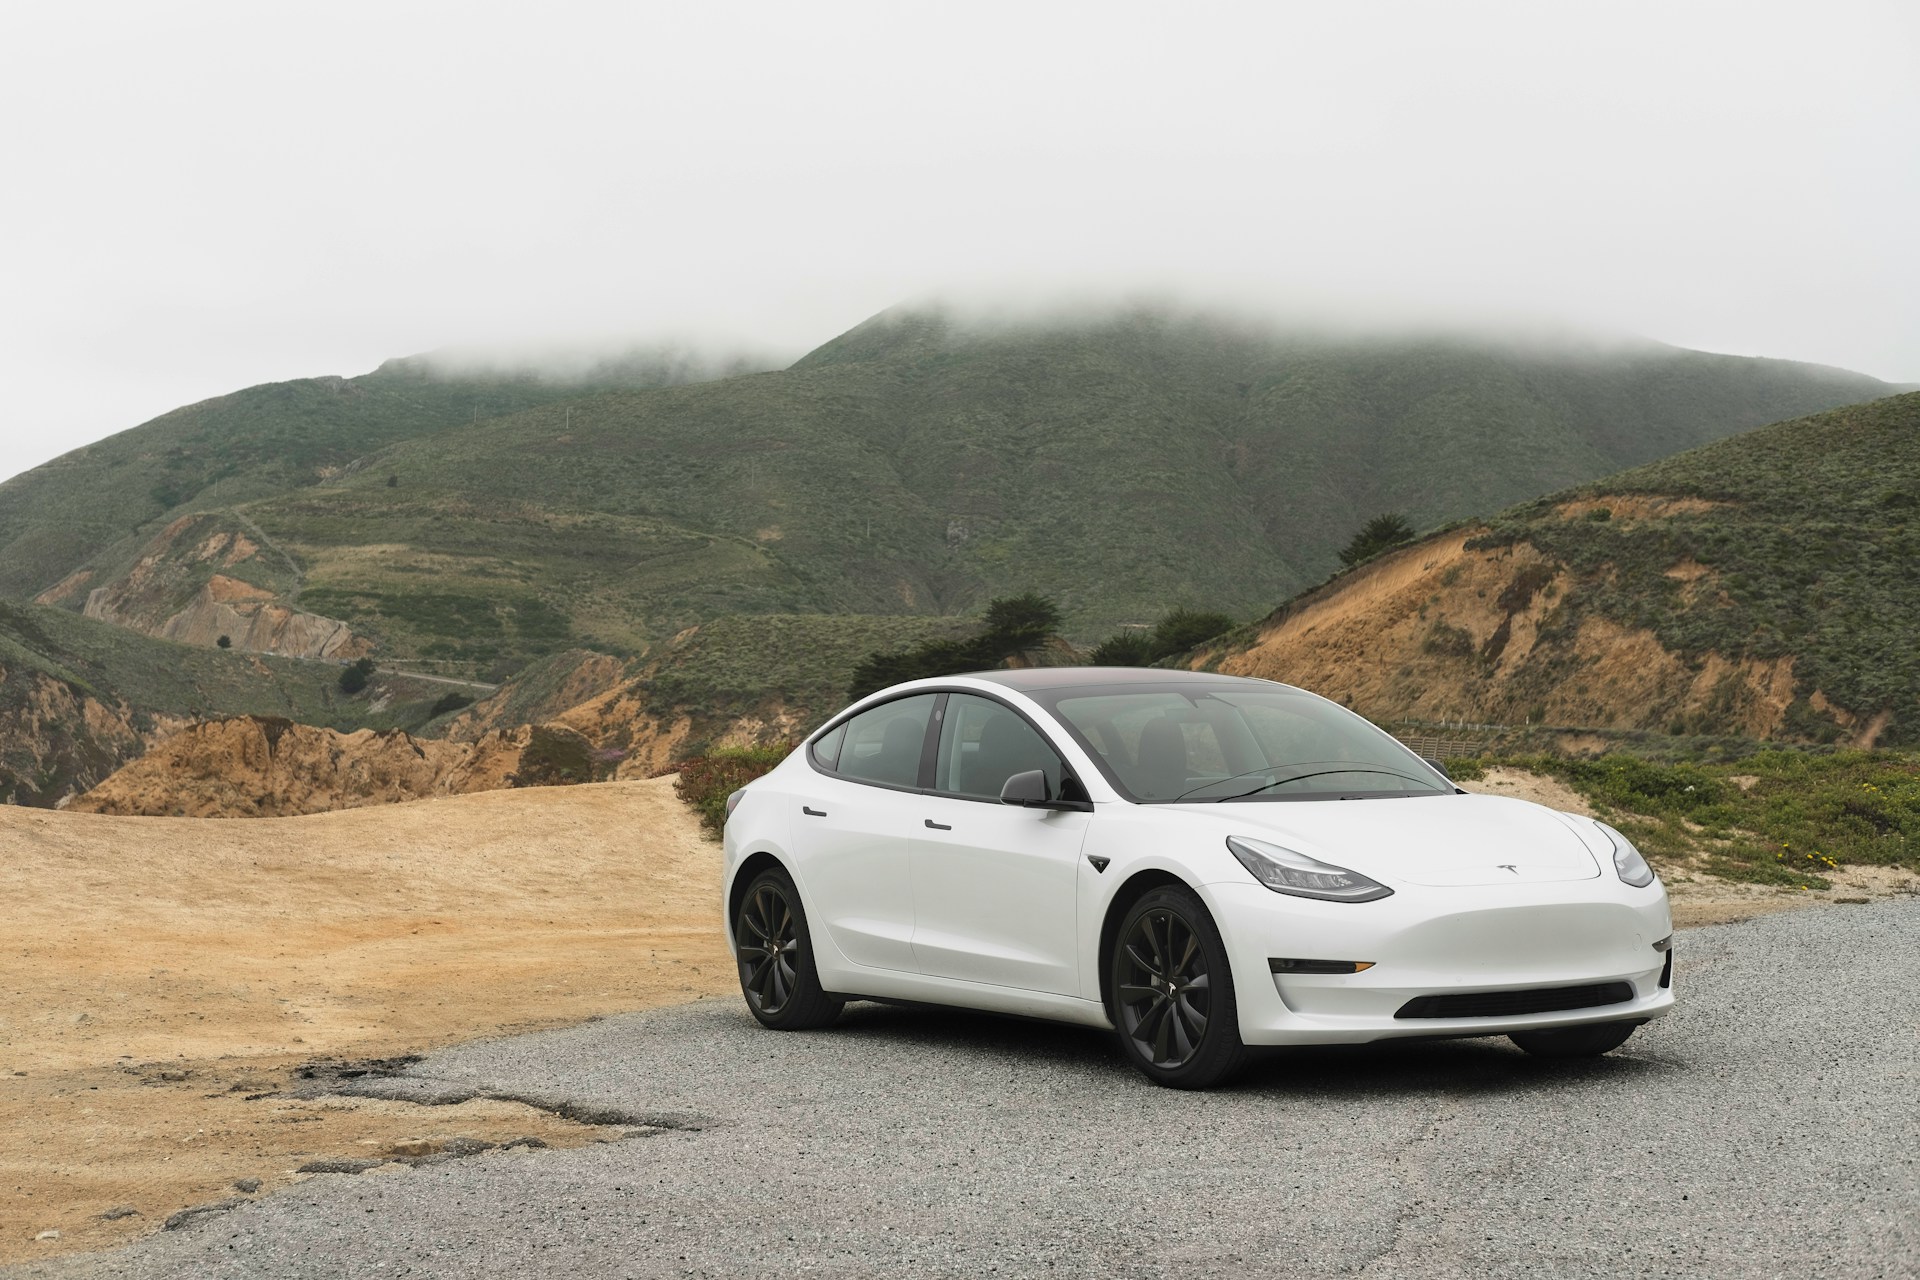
[[1770, 1127]]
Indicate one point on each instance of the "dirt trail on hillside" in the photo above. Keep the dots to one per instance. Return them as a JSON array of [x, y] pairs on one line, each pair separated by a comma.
[[156, 974]]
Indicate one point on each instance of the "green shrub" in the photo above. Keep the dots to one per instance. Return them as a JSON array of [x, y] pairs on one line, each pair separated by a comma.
[[449, 702], [356, 676], [706, 781], [555, 757], [1124, 649], [1012, 626], [1382, 533]]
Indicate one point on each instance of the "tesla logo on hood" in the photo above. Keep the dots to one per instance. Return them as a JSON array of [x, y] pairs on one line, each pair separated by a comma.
[[1507, 866]]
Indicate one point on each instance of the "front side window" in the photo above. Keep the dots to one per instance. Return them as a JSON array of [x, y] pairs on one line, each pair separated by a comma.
[[1231, 742], [883, 744], [982, 744]]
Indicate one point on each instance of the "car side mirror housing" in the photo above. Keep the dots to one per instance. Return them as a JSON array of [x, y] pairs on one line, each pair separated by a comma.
[[1029, 791], [1438, 768]]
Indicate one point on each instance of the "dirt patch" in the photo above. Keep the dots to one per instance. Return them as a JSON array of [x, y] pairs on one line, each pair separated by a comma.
[[240, 950], [1523, 785]]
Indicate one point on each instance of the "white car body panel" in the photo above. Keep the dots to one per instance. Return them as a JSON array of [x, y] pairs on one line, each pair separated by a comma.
[[996, 898], [1004, 913], [855, 869]]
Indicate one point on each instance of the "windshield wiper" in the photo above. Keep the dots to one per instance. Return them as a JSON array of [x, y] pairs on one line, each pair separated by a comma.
[[1299, 777]]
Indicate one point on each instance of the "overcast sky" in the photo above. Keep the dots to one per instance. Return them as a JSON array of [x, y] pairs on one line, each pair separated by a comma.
[[201, 197]]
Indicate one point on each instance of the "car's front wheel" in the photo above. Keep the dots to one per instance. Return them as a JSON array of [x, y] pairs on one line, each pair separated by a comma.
[[1575, 1042], [775, 954], [1173, 994]]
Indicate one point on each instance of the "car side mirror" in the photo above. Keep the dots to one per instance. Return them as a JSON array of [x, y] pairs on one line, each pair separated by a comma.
[[1029, 791], [1438, 767]]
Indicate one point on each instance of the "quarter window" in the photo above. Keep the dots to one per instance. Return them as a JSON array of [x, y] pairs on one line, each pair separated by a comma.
[[826, 748], [883, 744], [982, 744]]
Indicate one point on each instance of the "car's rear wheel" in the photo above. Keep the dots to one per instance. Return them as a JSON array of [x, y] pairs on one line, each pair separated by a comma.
[[775, 954], [1173, 993], [1575, 1042]]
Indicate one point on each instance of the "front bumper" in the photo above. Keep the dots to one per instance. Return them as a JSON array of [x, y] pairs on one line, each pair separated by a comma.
[[1509, 939]]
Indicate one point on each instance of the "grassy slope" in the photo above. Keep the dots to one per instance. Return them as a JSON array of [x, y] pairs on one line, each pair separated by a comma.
[[1813, 554], [912, 467], [244, 446], [159, 677]]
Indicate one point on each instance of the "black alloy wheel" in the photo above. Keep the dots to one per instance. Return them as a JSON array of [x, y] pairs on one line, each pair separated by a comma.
[[775, 955], [1172, 993]]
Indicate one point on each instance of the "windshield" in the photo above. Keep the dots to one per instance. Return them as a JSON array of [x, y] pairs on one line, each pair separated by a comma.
[[1237, 742]]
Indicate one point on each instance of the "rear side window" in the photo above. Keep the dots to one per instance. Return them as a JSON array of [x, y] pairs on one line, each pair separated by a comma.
[[883, 744], [826, 748], [982, 744]]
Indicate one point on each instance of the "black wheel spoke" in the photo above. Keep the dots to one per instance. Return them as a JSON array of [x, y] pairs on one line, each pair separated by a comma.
[[782, 987], [1141, 962], [1195, 1020], [1159, 952], [1186, 957]]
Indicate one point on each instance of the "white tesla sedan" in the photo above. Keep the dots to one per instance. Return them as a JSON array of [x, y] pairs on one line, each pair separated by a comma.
[[1202, 862]]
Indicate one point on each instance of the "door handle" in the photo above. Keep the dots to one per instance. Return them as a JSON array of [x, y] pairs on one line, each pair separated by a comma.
[[811, 812], [939, 826]]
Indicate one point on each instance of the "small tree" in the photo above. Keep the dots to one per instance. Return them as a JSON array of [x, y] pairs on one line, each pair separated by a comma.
[[393, 482], [225, 642], [355, 677], [1017, 623], [1382, 533], [1182, 629], [1123, 649]]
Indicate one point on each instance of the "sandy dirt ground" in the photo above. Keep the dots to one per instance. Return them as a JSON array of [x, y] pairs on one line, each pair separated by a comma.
[[163, 981], [158, 975], [1699, 898]]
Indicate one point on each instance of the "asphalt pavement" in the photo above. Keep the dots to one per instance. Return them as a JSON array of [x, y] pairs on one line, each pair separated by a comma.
[[1769, 1127]]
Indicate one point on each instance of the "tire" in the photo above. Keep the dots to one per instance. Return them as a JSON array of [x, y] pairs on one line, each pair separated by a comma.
[[1168, 944], [774, 952], [1575, 1042]]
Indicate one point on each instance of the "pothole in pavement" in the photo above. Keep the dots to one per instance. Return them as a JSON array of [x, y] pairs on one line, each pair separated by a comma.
[[389, 1081]]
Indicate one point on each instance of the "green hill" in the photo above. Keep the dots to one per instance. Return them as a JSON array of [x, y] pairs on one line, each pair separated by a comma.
[[1763, 586], [266, 440], [915, 465]]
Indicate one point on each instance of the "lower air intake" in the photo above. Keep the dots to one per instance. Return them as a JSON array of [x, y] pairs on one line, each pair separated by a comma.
[[1507, 1004]]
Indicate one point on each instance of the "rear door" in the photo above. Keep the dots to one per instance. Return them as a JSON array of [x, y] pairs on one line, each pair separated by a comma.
[[995, 887], [857, 816]]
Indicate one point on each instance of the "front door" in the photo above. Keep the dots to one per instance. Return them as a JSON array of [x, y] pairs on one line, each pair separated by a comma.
[[995, 887]]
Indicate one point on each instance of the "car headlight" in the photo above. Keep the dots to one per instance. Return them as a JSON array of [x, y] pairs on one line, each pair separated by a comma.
[[1627, 861], [1284, 871]]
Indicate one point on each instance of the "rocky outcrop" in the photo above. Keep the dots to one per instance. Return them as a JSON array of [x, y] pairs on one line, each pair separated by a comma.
[[57, 740], [1449, 631], [200, 580], [252, 766]]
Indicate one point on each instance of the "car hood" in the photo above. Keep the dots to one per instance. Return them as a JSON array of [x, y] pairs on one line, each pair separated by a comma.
[[1457, 839]]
